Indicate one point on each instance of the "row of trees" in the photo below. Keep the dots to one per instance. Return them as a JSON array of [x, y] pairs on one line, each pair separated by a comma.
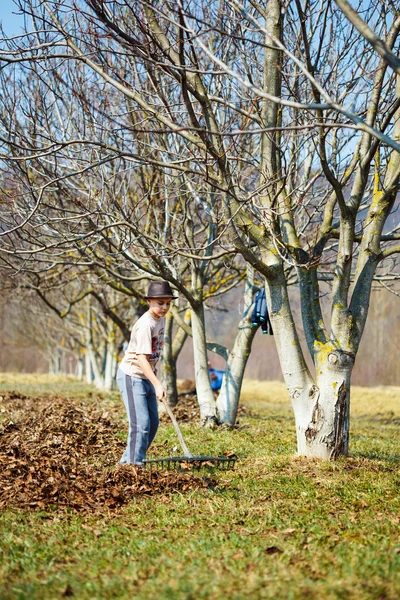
[[209, 143], [34, 338]]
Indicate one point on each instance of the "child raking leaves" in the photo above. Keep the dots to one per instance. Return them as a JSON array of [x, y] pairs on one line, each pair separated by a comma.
[[137, 373]]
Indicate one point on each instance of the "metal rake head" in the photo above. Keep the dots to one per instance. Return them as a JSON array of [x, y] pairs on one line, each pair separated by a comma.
[[192, 463]]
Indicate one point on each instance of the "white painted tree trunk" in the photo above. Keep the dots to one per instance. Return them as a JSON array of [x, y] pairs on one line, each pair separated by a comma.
[[110, 365], [229, 395], [294, 369], [98, 379], [321, 408], [205, 396], [322, 412]]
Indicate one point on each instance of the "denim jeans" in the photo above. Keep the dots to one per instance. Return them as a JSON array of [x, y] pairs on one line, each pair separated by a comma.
[[141, 407]]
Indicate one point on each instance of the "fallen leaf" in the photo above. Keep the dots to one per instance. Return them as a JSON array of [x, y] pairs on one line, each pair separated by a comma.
[[273, 550], [68, 592]]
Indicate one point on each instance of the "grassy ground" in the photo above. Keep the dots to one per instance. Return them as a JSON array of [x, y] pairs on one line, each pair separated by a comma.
[[277, 527]]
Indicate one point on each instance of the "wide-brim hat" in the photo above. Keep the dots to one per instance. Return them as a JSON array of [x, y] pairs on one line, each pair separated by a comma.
[[159, 289]]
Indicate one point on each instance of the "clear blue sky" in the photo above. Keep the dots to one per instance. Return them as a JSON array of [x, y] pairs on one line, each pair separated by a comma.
[[12, 23]]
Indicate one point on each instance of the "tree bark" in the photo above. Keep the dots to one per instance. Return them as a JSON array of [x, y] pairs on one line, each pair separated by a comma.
[[110, 364], [205, 396], [88, 367], [169, 364], [171, 350], [97, 378], [322, 412], [80, 368], [229, 395], [55, 363]]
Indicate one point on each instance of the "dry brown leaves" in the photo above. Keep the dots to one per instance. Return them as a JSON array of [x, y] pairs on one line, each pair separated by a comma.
[[61, 453], [186, 411]]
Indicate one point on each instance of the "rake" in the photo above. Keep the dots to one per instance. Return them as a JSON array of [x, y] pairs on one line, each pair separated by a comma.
[[188, 462]]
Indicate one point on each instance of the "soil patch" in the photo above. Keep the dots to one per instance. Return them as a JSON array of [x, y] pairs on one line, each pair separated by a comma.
[[62, 453]]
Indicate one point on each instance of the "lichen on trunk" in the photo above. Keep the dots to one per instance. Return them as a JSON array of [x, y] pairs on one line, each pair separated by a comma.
[[322, 419]]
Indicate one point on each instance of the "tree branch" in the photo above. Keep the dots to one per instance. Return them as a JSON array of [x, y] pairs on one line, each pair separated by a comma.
[[379, 45]]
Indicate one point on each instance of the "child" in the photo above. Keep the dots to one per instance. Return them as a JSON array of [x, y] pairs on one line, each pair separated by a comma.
[[137, 374]]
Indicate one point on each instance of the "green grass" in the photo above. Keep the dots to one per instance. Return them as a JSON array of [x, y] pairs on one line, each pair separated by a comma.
[[277, 527]]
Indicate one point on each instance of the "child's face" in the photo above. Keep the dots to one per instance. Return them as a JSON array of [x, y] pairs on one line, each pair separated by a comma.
[[158, 307]]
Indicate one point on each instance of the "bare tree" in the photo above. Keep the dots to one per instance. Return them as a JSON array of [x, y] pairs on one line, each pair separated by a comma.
[[120, 224], [285, 120]]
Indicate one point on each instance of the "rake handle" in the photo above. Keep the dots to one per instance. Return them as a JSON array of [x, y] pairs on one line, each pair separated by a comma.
[[177, 429]]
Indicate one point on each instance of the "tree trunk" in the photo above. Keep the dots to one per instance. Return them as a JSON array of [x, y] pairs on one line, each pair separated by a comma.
[[172, 349], [88, 367], [79, 368], [98, 379], [205, 396], [321, 408], [109, 370], [55, 363], [229, 395], [294, 368], [169, 364], [322, 414]]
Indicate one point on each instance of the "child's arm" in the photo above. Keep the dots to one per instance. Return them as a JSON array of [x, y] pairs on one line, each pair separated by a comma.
[[148, 372]]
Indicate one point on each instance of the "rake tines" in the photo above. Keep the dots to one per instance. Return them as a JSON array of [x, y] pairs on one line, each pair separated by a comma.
[[192, 463]]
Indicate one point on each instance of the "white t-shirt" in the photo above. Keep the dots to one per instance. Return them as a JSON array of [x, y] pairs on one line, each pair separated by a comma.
[[147, 337]]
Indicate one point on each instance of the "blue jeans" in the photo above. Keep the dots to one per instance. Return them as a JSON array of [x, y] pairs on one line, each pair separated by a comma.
[[141, 407]]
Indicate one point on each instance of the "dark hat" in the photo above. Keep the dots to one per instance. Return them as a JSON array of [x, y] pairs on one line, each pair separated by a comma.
[[159, 289]]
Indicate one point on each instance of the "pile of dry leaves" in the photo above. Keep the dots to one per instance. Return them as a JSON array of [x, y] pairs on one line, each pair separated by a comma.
[[54, 451]]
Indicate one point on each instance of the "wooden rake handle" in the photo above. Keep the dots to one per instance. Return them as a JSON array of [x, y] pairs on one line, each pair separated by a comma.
[[177, 429]]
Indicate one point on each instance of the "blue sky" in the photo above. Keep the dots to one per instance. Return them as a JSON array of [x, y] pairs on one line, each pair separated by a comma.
[[12, 23]]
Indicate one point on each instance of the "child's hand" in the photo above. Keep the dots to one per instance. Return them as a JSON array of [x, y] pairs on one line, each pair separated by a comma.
[[160, 392]]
